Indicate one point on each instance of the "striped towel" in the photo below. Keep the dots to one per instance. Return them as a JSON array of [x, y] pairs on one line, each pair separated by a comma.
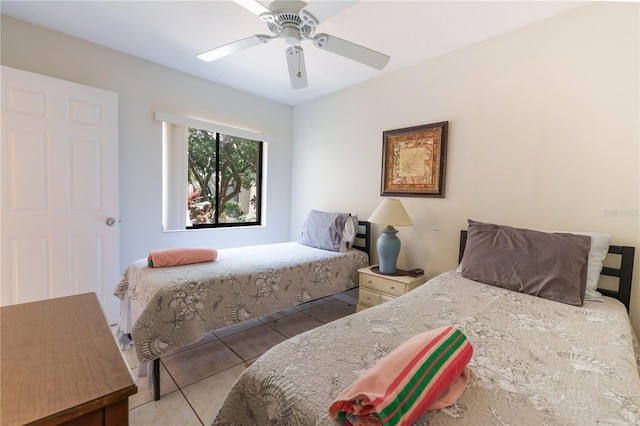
[[427, 372]]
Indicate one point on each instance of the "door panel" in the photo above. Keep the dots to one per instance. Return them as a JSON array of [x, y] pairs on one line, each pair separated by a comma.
[[86, 175], [59, 186], [27, 186], [29, 265]]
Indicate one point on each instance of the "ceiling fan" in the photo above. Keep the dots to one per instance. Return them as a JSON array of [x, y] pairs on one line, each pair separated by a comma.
[[296, 21]]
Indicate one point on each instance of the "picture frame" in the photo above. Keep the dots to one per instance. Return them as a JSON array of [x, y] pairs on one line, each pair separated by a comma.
[[414, 160]]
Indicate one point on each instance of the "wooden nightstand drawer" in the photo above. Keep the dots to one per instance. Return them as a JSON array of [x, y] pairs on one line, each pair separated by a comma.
[[369, 298], [383, 285], [385, 298], [376, 288]]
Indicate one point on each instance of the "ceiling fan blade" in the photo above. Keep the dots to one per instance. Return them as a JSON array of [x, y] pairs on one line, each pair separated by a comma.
[[321, 10], [253, 6], [236, 46], [351, 51], [297, 70]]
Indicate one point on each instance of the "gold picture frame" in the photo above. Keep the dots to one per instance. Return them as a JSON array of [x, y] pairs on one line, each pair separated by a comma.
[[414, 160]]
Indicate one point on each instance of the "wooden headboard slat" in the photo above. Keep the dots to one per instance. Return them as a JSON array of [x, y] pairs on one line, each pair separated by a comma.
[[612, 272], [365, 236]]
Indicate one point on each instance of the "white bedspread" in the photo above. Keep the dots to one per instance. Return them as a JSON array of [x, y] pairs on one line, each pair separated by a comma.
[[166, 308], [535, 361]]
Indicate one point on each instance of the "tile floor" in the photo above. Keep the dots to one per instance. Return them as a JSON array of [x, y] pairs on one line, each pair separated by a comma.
[[195, 379]]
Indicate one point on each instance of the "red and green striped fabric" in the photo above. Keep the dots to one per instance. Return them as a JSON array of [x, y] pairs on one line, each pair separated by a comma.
[[425, 372]]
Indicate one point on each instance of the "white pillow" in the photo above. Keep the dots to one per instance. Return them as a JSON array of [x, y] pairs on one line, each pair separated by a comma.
[[350, 231], [597, 253]]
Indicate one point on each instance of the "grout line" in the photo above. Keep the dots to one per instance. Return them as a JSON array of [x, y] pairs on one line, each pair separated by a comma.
[[191, 406], [234, 352], [221, 339], [277, 331], [170, 376]]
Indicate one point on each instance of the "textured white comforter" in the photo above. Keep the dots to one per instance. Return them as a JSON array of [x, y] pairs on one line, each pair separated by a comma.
[[535, 362]]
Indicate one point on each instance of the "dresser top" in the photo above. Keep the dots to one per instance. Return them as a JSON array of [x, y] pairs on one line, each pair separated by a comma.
[[59, 360]]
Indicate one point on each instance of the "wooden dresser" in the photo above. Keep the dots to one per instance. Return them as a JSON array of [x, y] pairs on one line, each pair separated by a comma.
[[61, 365]]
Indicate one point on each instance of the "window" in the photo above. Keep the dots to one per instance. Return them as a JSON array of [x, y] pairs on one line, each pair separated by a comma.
[[223, 179], [212, 175]]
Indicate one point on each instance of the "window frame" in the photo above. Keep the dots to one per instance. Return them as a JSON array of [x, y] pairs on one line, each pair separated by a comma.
[[218, 224], [175, 151]]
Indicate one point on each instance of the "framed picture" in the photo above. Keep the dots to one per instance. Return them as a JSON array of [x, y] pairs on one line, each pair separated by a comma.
[[413, 161]]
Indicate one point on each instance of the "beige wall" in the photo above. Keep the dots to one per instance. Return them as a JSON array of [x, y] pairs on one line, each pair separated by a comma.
[[143, 88], [544, 133]]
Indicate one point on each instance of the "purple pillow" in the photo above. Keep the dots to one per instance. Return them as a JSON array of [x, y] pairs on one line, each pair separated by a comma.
[[324, 230], [549, 265]]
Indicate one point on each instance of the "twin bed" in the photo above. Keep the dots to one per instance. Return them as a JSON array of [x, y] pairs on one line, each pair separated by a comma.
[[536, 361], [167, 308]]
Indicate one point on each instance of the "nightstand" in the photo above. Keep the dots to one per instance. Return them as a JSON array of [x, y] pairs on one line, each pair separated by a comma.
[[377, 288]]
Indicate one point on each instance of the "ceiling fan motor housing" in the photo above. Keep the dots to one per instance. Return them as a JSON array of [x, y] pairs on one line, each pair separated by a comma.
[[285, 21]]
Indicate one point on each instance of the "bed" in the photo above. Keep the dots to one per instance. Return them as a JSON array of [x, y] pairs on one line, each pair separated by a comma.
[[536, 361], [167, 308]]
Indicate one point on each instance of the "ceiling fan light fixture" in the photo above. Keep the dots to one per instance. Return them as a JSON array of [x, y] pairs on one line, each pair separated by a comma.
[[291, 35]]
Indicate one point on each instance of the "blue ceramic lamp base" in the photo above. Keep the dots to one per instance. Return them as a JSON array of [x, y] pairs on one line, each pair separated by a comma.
[[388, 246]]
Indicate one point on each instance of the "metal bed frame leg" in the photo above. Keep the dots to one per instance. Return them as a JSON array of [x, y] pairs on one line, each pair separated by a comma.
[[156, 379]]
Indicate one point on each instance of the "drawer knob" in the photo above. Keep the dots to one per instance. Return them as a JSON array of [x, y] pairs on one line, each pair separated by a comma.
[[393, 288], [370, 281], [368, 299]]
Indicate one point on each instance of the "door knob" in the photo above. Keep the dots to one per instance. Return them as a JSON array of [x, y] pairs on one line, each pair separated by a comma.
[[110, 221]]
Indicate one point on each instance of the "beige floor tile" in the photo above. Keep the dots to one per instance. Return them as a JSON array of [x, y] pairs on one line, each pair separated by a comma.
[[167, 385], [190, 366], [171, 409], [206, 370], [331, 311], [207, 395], [253, 342], [130, 357], [308, 305], [277, 315], [295, 324], [352, 292], [236, 328], [348, 296], [251, 361], [206, 339]]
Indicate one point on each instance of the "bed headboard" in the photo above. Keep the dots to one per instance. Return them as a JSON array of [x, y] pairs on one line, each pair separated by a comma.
[[623, 273], [363, 237]]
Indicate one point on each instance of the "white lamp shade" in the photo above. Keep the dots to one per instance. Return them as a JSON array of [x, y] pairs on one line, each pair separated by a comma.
[[391, 212]]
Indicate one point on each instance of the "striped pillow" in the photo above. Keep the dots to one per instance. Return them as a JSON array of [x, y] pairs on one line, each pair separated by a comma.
[[426, 372]]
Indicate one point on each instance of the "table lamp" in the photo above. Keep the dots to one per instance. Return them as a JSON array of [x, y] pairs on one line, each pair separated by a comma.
[[391, 213]]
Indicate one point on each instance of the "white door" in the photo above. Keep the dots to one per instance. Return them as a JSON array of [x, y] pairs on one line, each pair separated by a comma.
[[59, 184]]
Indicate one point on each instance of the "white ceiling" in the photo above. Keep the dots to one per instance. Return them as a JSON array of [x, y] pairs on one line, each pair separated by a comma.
[[172, 33]]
